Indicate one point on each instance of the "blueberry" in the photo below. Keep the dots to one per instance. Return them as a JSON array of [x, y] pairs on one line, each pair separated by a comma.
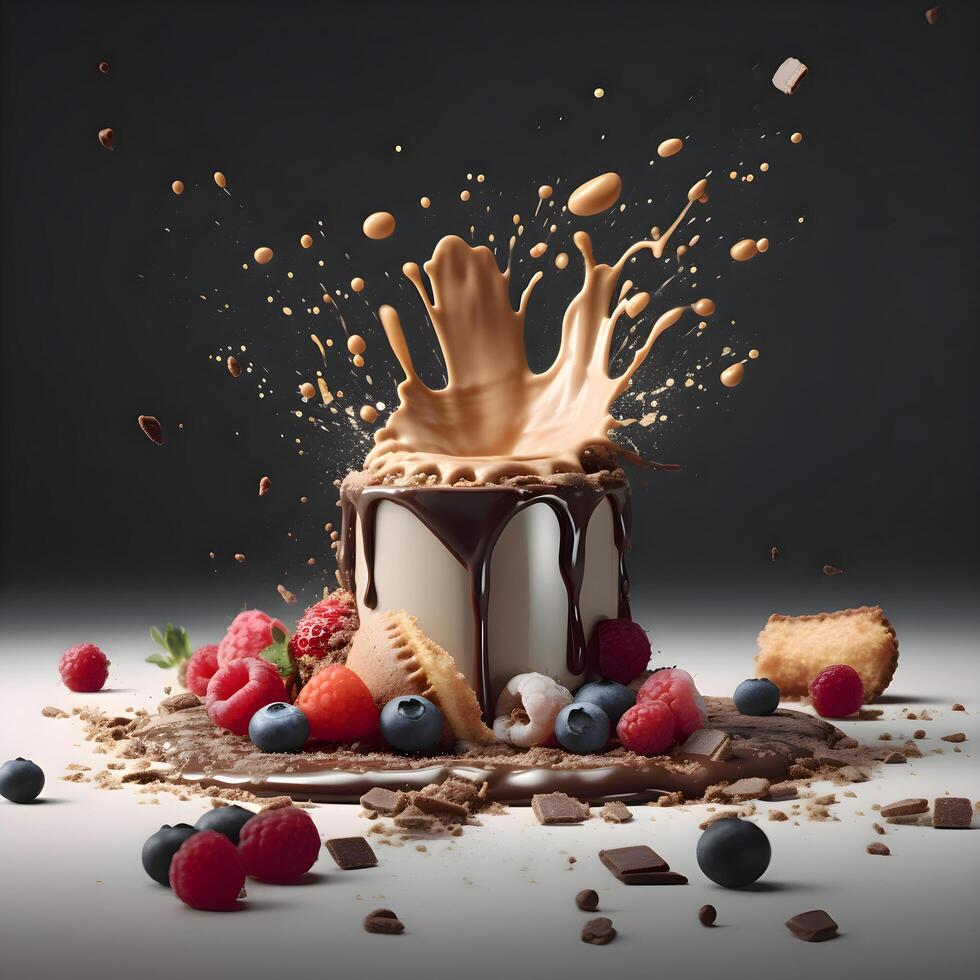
[[279, 727], [158, 851], [227, 820], [757, 696], [411, 724], [733, 853], [582, 727], [21, 781], [615, 699]]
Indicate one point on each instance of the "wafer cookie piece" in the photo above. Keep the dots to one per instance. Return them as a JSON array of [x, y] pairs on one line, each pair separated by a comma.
[[794, 649]]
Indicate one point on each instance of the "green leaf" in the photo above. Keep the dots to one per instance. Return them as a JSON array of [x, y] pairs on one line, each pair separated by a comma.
[[277, 635], [175, 641], [277, 654], [157, 637], [159, 659]]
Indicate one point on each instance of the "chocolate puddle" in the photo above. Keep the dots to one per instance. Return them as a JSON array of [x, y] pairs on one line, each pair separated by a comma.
[[765, 747], [469, 521]]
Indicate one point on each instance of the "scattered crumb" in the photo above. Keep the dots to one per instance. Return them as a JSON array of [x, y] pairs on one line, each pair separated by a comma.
[[955, 737], [50, 712], [777, 815], [877, 848]]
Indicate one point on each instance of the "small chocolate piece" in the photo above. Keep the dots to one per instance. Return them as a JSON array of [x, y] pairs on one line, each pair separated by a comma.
[[598, 931], [831, 761], [812, 927], [750, 788], [106, 137], [381, 800], [905, 808], [351, 853], [894, 758], [587, 900], [958, 707], [707, 915], [709, 743], [653, 878], [832, 570], [557, 808], [632, 860], [168, 706], [955, 737], [616, 811], [384, 922], [932, 14], [412, 818], [877, 848], [952, 813], [150, 424], [783, 791], [919, 733], [436, 805]]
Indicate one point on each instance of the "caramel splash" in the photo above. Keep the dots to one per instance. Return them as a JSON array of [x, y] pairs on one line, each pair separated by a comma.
[[379, 225], [732, 376], [177, 187], [596, 195], [670, 147], [495, 418], [744, 250], [262, 255]]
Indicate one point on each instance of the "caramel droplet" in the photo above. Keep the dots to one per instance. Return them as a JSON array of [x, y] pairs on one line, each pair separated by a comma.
[[796, 138], [355, 344], [265, 485], [732, 376], [220, 179], [379, 225], [753, 353], [561, 260], [152, 429], [239, 557], [545, 191], [599, 93], [538, 250], [177, 187], [306, 241], [596, 195], [697, 191], [764, 167], [744, 250], [762, 244], [464, 195], [262, 255], [357, 284], [425, 202], [234, 368], [358, 361], [307, 390], [670, 147], [105, 138], [703, 307], [369, 413]]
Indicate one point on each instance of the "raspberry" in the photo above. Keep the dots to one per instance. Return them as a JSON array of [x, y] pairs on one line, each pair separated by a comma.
[[621, 649], [201, 668], [248, 635], [208, 872], [239, 689], [837, 691], [279, 846], [325, 628], [675, 688], [84, 668], [339, 705], [647, 728]]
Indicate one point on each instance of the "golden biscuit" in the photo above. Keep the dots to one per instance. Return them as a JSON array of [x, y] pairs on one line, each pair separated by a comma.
[[794, 649], [393, 656]]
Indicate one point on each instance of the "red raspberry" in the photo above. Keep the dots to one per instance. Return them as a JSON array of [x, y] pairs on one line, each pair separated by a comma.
[[248, 635], [279, 846], [676, 689], [647, 728], [208, 872], [201, 668], [84, 668], [238, 690], [325, 627], [621, 648], [339, 705], [837, 691]]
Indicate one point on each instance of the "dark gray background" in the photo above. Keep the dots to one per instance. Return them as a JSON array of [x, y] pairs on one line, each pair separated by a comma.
[[853, 440]]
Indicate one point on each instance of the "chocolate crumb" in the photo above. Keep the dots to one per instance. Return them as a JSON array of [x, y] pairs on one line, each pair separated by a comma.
[[877, 848], [616, 811], [905, 808], [105, 138], [178, 702], [587, 900], [381, 800], [783, 791], [384, 922], [777, 815], [773, 553], [707, 915], [285, 594], [932, 14], [894, 758], [955, 737], [598, 932], [558, 808], [50, 712], [832, 570], [958, 707], [812, 927], [879, 829]]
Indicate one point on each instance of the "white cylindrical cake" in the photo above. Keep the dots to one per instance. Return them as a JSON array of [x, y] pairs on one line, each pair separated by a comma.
[[508, 578]]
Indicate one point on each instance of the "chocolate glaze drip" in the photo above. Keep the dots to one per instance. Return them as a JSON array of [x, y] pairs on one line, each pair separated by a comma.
[[469, 521]]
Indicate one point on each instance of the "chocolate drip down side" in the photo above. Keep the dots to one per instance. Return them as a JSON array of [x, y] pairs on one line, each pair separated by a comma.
[[469, 521]]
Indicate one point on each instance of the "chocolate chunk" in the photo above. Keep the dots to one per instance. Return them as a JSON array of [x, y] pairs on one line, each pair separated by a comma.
[[598, 932], [812, 927], [894, 758], [616, 811], [552, 808], [632, 860], [905, 808], [436, 805], [955, 737], [750, 788], [412, 818], [384, 922], [877, 848], [178, 702], [351, 853], [707, 915], [709, 743], [958, 707], [831, 761], [381, 800], [952, 813], [782, 791], [587, 900]]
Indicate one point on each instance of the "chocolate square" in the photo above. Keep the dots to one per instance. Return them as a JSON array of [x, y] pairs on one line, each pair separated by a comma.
[[556, 808], [952, 813], [381, 800], [351, 853], [633, 860], [812, 927], [709, 743]]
